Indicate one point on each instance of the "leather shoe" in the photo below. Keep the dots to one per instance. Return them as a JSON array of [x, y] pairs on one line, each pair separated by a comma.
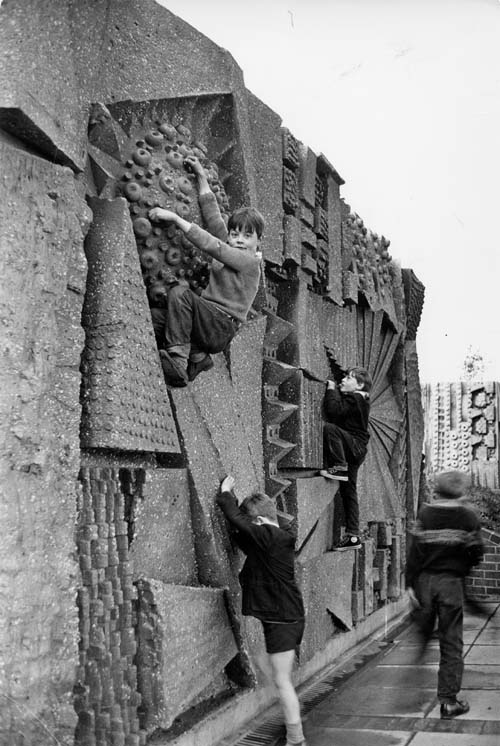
[[174, 374], [450, 710], [194, 369]]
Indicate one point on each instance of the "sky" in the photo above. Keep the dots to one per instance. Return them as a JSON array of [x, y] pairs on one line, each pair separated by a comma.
[[403, 98]]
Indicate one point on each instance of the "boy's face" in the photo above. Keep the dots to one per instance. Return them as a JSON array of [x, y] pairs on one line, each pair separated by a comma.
[[350, 384], [244, 238]]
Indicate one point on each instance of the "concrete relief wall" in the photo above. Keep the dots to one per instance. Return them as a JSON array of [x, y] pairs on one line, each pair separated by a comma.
[[113, 545]]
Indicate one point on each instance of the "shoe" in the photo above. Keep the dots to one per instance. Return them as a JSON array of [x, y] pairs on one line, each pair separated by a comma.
[[348, 542], [450, 710], [174, 374], [335, 472], [194, 369]]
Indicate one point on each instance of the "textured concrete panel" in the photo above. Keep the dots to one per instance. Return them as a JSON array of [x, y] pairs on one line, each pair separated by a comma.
[[334, 217], [340, 332], [320, 539], [185, 640], [307, 175], [106, 677], [216, 403], [326, 587], [245, 355], [52, 118], [307, 499], [305, 426], [305, 348], [43, 268], [265, 140], [125, 402], [140, 31], [163, 545]]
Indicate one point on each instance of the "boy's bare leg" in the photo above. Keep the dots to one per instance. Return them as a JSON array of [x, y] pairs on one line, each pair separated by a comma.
[[281, 666]]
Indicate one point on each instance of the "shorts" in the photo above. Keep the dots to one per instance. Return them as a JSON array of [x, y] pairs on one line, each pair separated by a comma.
[[282, 636]]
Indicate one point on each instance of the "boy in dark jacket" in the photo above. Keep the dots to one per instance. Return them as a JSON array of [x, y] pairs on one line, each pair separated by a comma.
[[192, 326], [445, 544], [345, 441], [269, 590]]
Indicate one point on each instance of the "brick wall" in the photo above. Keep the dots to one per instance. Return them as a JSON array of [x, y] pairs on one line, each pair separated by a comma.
[[485, 579]]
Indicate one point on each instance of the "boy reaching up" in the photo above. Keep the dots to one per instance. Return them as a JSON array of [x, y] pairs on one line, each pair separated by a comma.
[[270, 592], [345, 440], [194, 326]]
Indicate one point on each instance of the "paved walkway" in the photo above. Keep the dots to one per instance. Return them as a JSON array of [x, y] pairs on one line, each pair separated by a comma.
[[388, 698]]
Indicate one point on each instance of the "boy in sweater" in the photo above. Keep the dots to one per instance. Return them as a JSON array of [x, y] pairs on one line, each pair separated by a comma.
[[269, 590], [445, 544], [345, 441], [195, 326]]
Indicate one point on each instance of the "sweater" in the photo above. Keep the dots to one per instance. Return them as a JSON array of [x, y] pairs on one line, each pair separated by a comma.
[[349, 411], [267, 579], [446, 538], [234, 273]]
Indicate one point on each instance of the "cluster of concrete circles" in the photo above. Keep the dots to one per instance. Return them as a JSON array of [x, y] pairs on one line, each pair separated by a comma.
[[154, 175]]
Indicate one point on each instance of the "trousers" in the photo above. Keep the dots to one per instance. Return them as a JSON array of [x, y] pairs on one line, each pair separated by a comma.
[[342, 447], [190, 320], [441, 597]]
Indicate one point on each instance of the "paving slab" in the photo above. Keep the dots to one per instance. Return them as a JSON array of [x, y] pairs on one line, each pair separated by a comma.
[[353, 737], [408, 655], [481, 677], [378, 700], [484, 705], [453, 739], [489, 636], [413, 638], [475, 622], [486, 654], [408, 677]]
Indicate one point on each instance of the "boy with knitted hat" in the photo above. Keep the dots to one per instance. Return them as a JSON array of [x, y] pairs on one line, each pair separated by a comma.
[[446, 543]]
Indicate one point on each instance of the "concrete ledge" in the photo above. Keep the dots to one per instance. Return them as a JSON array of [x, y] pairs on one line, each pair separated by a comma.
[[237, 716]]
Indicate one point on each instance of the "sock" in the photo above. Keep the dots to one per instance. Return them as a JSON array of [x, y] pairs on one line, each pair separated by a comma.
[[197, 357], [294, 732], [180, 353]]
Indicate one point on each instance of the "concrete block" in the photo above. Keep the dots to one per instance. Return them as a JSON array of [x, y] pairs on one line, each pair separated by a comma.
[[124, 393], [185, 640], [245, 354], [307, 499], [292, 239], [325, 582], [51, 118], [305, 426], [266, 144], [306, 347], [43, 221], [163, 545], [307, 175]]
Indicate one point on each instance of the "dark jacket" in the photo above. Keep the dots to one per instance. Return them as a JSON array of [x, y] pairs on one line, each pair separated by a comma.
[[267, 579], [446, 538], [349, 411]]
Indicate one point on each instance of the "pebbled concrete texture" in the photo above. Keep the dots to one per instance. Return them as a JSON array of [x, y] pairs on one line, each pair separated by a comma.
[[163, 545], [42, 279], [185, 637]]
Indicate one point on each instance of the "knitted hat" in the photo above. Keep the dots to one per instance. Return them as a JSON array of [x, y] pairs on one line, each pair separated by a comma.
[[451, 483]]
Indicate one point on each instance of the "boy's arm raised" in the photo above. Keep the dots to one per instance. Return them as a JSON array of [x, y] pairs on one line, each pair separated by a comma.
[[235, 258], [208, 202]]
